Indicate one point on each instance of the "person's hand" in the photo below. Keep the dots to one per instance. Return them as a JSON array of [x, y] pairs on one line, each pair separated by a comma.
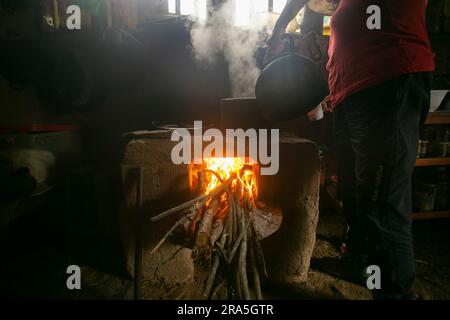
[[315, 114], [275, 46], [326, 104]]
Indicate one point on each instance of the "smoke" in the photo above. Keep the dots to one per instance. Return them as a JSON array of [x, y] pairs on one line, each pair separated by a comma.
[[222, 35]]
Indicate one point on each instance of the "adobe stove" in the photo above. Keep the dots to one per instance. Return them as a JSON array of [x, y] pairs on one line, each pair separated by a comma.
[[217, 227]]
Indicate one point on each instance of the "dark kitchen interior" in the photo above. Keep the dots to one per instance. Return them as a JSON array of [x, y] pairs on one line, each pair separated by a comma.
[[85, 120]]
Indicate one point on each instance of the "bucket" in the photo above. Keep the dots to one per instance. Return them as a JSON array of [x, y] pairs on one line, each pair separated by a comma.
[[424, 195]]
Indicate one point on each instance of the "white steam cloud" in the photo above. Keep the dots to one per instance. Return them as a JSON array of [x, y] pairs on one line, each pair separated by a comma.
[[236, 30]]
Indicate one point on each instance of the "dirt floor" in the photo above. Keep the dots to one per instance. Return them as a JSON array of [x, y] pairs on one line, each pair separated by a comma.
[[36, 269]]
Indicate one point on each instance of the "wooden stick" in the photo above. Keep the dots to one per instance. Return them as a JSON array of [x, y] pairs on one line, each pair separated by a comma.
[[216, 290], [197, 209], [204, 229], [200, 181], [242, 266], [214, 267], [183, 206], [214, 173], [183, 219], [230, 217], [237, 285], [217, 230], [200, 199], [254, 268], [257, 244], [222, 212], [234, 221], [237, 243], [259, 252], [238, 208], [202, 248], [229, 275]]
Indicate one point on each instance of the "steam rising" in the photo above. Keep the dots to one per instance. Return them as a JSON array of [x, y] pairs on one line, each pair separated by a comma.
[[236, 34]]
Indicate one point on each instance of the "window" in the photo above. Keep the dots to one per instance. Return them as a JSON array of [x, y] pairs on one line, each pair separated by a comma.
[[196, 8], [242, 7], [244, 12], [241, 12], [187, 7], [172, 6], [278, 5], [261, 6]]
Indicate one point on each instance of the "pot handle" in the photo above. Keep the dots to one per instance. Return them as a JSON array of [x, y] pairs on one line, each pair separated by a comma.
[[290, 43]]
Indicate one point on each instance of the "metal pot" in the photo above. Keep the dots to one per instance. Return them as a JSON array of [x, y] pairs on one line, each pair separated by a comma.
[[289, 87]]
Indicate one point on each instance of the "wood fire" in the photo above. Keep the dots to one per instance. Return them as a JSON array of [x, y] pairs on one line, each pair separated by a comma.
[[223, 225]]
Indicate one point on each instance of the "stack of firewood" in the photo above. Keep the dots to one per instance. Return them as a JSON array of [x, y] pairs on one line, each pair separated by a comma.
[[220, 228]]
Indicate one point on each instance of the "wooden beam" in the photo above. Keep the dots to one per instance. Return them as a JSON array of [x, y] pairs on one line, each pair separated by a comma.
[[430, 162], [431, 215], [438, 118]]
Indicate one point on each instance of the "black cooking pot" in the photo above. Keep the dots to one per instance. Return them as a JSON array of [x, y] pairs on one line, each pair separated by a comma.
[[289, 87]]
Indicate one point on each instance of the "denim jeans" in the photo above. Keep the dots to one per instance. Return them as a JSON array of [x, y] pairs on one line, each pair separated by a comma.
[[376, 134]]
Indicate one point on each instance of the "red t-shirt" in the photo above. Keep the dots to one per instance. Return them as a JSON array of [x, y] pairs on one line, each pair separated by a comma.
[[361, 58]]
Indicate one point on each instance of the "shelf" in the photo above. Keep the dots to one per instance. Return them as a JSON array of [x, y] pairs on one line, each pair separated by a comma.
[[438, 118], [430, 162], [431, 215]]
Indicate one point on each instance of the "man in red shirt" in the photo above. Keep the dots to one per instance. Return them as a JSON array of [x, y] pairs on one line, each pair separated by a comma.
[[380, 81]]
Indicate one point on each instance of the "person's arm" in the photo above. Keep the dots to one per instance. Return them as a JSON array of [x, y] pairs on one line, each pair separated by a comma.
[[275, 44], [325, 7], [290, 10], [293, 7]]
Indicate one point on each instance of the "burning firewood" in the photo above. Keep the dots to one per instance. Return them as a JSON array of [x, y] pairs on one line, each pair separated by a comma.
[[221, 224], [198, 213], [230, 218], [202, 244], [188, 204], [200, 181]]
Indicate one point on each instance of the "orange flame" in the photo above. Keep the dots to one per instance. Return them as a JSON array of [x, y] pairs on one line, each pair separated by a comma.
[[224, 168]]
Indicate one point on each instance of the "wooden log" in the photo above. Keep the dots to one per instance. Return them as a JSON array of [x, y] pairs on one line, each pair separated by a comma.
[[217, 229], [214, 268], [198, 210], [179, 222], [234, 221], [237, 243], [230, 218], [259, 252], [237, 285], [254, 268], [216, 290], [202, 247], [200, 181], [238, 207], [200, 199], [242, 265], [214, 173], [205, 227]]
